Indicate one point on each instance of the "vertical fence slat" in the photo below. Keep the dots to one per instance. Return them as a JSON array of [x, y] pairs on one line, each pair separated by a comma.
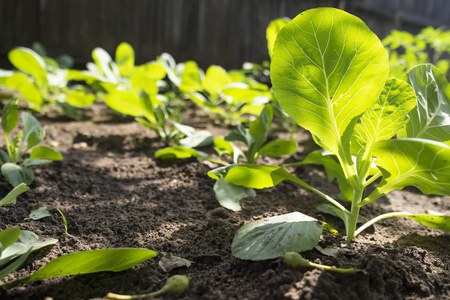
[[224, 32]]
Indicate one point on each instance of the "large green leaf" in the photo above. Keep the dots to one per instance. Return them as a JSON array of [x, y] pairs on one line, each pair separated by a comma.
[[412, 162], [327, 68], [29, 62], [91, 261], [271, 237], [431, 117], [125, 59], [272, 31], [386, 116], [45, 153]]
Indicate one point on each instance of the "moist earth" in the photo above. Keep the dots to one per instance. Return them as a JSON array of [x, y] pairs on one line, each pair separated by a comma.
[[114, 194]]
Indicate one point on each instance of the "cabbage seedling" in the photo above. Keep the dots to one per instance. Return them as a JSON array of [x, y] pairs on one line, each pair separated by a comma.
[[13, 164], [42, 83], [329, 73]]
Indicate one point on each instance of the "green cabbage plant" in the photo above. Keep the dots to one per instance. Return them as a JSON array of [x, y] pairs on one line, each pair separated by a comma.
[[330, 74]]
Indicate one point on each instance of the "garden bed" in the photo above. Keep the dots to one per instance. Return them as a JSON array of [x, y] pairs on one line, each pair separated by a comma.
[[114, 194]]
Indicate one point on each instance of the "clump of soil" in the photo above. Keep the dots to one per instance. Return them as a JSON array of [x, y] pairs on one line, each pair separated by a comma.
[[114, 194]]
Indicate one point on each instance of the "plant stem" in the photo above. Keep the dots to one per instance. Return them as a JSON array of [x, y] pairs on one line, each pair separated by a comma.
[[354, 213], [7, 145]]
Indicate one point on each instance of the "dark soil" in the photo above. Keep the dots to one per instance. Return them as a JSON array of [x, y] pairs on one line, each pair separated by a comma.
[[114, 194]]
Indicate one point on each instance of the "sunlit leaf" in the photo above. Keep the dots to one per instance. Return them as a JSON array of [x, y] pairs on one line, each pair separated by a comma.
[[327, 68], [125, 59], [80, 98], [431, 117], [272, 31], [386, 116], [412, 162], [29, 62]]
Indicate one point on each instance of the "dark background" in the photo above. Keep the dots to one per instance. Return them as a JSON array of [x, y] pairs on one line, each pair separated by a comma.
[[223, 32]]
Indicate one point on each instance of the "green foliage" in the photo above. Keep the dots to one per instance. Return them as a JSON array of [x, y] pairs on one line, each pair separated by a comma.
[[42, 82], [86, 262], [226, 96], [13, 164], [331, 78], [431, 45]]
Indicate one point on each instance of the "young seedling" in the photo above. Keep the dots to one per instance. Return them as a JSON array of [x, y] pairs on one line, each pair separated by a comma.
[[255, 138], [329, 73], [42, 83], [14, 165]]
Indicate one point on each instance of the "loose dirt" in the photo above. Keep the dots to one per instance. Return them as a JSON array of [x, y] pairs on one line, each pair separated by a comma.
[[114, 194]]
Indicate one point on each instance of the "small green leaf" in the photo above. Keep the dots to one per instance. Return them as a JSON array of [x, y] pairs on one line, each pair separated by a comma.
[[278, 148], [431, 117], [12, 195], [45, 153], [191, 78], [80, 98], [176, 153], [16, 175], [216, 79], [91, 261], [10, 116], [229, 195], [412, 162], [271, 237], [29, 62], [9, 236], [125, 59], [39, 213], [386, 116], [31, 124]]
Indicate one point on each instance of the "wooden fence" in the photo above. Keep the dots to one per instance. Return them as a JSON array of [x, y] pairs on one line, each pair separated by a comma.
[[224, 32]]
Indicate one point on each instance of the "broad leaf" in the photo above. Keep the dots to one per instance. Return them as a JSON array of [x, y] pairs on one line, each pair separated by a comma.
[[27, 240], [80, 98], [278, 148], [386, 116], [184, 153], [27, 89], [412, 162], [45, 153], [431, 117], [271, 237], [327, 69], [16, 175], [29, 62], [91, 261], [216, 79], [125, 102], [125, 59], [229, 195]]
